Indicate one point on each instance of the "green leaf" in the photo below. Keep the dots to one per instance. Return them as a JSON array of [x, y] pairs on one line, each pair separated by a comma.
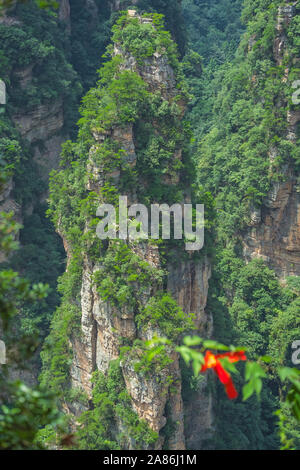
[[248, 391], [211, 344], [288, 373], [228, 366], [266, 359], [185, 353], [258, 386], [192, 340], [196, 367]]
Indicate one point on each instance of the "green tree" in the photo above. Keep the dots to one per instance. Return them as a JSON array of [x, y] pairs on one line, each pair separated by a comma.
[[23, 410]]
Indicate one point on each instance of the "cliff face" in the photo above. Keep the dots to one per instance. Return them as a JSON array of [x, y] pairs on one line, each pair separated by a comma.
[[41, 129], [43, 123], [64, 11], [8, 204], [36, 130], [275, 232], [105, 323], [102, 325]]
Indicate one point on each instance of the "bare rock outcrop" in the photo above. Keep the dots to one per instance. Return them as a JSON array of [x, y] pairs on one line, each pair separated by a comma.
[[274, 235], [103, 324]]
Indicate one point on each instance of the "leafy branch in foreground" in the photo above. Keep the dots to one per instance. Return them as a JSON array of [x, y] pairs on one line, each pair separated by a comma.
[[197, 353], [23, 410], [292, 377]]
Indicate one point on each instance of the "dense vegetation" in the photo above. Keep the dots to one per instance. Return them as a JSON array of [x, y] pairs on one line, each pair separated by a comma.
[[42, 46], [238, 100], [250, 98], [121, 98], [64, 65], [214, 31], [23, 410]]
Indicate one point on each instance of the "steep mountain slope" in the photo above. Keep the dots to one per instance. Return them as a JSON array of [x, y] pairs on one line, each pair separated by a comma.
[[42, 95], [117, 295], [250, 162], [214, 28], [48, 59], [214, 31], [134, 140]]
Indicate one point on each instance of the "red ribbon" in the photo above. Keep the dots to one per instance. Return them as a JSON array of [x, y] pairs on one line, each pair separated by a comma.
[[212, 362]]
